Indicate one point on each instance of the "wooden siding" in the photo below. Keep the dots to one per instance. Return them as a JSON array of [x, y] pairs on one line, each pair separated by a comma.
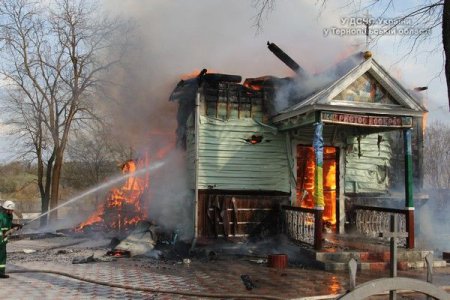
[[367, 165], [228, 162]]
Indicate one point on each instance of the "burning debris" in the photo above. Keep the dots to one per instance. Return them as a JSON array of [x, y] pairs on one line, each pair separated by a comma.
[[124, 215], [125, 211], [124, 206]]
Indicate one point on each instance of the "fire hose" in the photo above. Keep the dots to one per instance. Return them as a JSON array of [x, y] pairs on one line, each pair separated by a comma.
[[11, 231], [135, 288], [141, 289], [149, 290], [182, 293]]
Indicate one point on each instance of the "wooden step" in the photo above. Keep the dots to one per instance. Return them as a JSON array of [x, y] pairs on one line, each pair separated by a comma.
[[379, 265], [376, 261]]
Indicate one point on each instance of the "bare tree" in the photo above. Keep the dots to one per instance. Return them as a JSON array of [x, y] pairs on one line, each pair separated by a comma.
[[437, 156], [52, 56], [424, 17], [93, 155], [263, 9]]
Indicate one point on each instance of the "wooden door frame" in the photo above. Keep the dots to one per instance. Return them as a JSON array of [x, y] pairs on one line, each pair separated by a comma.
[[340, 171]]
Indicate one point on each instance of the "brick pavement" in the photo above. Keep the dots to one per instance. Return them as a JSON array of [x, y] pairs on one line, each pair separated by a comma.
[[221, 276]]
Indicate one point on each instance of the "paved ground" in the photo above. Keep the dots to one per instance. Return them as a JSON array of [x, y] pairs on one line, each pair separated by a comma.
[[220, 276]]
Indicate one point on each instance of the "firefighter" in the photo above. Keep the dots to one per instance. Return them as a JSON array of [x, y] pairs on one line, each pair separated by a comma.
[[6, 216]]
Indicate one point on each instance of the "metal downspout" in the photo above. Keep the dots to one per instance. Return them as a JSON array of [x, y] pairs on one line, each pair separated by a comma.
[[197, 122]]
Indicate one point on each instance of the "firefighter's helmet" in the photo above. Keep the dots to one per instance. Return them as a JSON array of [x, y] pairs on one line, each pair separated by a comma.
[[9, 205]]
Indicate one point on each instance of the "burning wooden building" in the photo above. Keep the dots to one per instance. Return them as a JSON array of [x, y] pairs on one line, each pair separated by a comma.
[[335, 157]]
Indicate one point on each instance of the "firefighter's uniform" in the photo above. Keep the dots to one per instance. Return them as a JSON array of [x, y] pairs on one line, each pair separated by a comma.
[[5, 225]]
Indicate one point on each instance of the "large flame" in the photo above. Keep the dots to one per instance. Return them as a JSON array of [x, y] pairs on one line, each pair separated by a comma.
[[129, 203], [124, 206], [305, 180]]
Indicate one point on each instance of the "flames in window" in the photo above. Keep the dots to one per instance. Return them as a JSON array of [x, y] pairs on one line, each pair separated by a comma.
[[305, 180]]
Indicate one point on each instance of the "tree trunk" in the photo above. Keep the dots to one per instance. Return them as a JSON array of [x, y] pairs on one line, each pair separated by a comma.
[[56, 176], [40, 179], [45, 197], [44, 208], [446, 43]]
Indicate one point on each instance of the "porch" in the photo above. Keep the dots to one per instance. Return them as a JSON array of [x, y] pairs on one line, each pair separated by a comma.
[[332, 251]]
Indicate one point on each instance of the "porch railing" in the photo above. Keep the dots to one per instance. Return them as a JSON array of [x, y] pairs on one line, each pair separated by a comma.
[[303, 225], [371, 220]]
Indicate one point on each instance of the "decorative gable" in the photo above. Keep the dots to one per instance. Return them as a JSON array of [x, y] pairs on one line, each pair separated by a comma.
[[365, 89]]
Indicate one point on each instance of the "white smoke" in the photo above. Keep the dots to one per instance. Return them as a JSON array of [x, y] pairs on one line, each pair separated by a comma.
[[171, 201], [171, 38], [433, 222]]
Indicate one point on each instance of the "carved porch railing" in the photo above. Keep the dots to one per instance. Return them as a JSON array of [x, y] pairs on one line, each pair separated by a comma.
[[370, 221], [303, 225]]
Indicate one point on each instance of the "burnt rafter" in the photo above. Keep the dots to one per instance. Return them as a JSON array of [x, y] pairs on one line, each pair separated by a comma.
[[292, 64]]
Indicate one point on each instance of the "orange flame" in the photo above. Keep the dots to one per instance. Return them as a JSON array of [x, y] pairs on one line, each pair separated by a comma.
[[124, 206], [329, 184], [194, 74], [305, 180], [190, 75], [252, 86]]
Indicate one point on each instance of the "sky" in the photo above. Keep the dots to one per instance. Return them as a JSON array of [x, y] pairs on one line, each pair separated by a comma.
[[177, 37]]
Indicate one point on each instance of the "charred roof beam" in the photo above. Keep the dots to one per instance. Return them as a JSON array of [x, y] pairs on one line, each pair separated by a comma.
[[292, 64]]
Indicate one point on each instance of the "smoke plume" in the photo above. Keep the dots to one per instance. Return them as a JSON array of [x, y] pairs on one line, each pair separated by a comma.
[[171, 38]]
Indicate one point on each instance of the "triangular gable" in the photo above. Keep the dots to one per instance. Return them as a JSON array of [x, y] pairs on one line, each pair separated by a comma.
[[398, 99], [365, 89], [371, 71]]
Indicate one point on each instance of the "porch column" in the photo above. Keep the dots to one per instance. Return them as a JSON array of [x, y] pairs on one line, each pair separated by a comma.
[[409, 200], [341, 185], [318, 184]]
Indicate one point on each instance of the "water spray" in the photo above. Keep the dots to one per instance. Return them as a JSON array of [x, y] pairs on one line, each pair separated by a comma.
[[151, 167]]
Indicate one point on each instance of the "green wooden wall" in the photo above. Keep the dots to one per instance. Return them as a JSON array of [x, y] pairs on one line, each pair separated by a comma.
[[367, 164], [228, 162]]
